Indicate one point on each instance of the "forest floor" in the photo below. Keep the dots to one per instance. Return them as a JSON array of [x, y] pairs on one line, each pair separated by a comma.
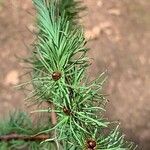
[[118, 33]]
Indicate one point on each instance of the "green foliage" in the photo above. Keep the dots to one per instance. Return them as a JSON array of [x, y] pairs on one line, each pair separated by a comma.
[[71, 8], [20, 123], [59, 65], [59, 47]]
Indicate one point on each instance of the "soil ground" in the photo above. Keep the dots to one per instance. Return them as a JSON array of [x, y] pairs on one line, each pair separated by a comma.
[[118, 33]]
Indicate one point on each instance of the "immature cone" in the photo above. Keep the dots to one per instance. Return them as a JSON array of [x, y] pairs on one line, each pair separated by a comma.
[[91, 144], [66, 111], [56, 75]]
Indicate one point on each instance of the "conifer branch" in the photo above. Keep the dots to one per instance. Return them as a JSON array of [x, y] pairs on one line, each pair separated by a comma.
[[76, 105]]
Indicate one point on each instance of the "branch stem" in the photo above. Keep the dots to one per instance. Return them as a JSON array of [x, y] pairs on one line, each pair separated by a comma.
[[14, 136]]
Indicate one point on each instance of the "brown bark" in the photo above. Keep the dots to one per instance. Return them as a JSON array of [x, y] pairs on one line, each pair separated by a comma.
[[14, 136]]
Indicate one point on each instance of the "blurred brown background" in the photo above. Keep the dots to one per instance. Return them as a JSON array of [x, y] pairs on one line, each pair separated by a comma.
[[119, 34]]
